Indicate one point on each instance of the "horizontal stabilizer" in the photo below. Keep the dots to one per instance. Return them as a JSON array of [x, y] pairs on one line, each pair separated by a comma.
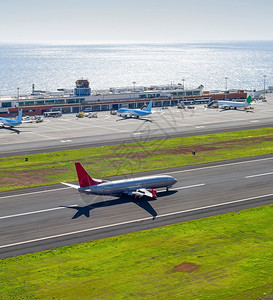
[[74, 186]]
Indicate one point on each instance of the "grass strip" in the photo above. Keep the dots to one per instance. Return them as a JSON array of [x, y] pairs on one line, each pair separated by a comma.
[[54, 167], [222, 257]]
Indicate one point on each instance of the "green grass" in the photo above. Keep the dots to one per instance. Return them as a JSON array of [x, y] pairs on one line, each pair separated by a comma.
[[233, 252], [54, 167]]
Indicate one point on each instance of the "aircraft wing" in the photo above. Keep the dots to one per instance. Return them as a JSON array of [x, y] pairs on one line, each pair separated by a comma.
[[131, 113], [4, 123], [141, 193]]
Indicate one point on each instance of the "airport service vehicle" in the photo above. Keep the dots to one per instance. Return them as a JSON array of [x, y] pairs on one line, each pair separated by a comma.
[[128, 112], [32, 119], [12, 122], [234, 104], [92, 115], [39, 119], [138, 187], [52, 114]]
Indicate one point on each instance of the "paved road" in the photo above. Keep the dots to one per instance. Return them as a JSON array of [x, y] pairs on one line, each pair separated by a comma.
[[68, 132], [48, 217]]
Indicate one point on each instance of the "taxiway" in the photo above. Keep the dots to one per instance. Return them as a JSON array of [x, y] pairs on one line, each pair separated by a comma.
[[68, 132]]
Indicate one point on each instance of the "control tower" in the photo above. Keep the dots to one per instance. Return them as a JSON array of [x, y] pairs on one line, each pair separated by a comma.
[[82, 88]]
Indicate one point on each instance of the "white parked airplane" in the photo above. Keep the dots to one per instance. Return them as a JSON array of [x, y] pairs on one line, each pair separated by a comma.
[[129, 112], [234, 104], [138, 187], [12, 122]]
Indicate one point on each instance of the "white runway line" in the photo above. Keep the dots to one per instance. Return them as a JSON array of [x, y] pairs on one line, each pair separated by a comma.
[[190, 186], [56, 208], [258, 175], [185, 187], [65, 141], [33, 193], [132, 221], [220, 166], [35, 212], [174, 172]]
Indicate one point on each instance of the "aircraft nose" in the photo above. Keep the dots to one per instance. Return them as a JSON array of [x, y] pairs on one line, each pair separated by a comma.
[[173, 180]]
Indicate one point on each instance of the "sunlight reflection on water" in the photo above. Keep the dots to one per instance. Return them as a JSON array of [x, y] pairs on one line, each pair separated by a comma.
[[51, 66]]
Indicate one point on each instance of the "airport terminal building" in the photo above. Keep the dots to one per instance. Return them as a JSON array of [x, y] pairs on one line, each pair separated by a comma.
[[82, 98]]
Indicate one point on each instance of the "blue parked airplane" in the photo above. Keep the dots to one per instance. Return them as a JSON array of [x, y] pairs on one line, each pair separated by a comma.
[[12, 122], [129, 112]]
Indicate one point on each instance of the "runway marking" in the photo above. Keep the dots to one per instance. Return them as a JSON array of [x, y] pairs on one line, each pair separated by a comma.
[[187, 187], [35, 212], [257, 175], [33, 193], [219, 166], [157, 136], [174, 172], [110, 128], [132, 221], [56, 208], [65, 141]]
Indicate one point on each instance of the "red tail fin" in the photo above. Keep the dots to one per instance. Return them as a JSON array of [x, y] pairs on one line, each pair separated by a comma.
[[83, 177]]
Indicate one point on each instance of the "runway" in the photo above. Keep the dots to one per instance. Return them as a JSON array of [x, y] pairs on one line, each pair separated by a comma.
[[54, 216], [68, 132]]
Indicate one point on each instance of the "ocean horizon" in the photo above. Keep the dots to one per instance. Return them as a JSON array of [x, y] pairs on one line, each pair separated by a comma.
[[239, 65]]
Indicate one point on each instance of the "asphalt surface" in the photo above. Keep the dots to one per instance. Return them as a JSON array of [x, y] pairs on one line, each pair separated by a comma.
[[54, 216], [68, 132]]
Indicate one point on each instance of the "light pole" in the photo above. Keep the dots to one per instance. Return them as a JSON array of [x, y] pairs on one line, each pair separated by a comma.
[[226, 78], [134, 83], [18, 98], [264, 85], [183, 80]]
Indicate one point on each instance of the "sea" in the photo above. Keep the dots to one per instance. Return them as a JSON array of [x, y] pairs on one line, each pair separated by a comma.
[[216, 66]]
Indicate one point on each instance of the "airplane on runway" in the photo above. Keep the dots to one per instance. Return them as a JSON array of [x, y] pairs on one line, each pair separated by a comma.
[[128, 112], [12, 122], [234, 104], [138, 187]]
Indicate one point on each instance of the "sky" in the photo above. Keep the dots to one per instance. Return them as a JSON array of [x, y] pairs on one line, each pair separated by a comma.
[[125, 21]]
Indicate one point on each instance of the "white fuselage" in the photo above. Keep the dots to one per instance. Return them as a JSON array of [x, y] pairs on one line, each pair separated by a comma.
[[124, 186], [234, 104]]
